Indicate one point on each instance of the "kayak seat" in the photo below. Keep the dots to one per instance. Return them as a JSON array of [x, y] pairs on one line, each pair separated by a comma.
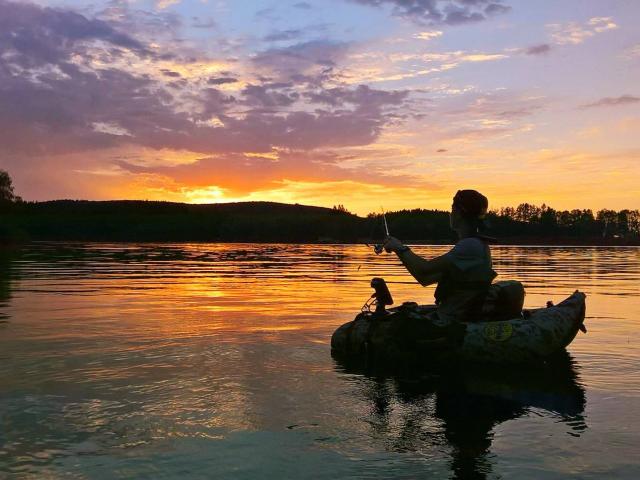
[[504, 301]]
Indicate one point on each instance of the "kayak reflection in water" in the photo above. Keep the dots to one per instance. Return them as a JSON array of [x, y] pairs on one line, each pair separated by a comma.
[[463, 274], [468, 404]]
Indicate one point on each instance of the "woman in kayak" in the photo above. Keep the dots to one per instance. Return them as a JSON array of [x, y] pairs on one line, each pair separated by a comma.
[[463, 274]]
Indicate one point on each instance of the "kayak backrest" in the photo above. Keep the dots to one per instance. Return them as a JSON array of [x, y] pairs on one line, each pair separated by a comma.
[[504, 300]]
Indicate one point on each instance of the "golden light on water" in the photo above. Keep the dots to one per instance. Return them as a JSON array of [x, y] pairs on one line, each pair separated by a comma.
[[207, 347]]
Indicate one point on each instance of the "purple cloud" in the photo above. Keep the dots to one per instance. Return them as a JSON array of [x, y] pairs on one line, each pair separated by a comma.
[[120, 14], [442, 12], [54, 99], [34, 36], [290, 34], [276, 95], [221, 80], [295, 33], [363, 97], [541, 49], [613, 101], [316, 56], [170, 73]]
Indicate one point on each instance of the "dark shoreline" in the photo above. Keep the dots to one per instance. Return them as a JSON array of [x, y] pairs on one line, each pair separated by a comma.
[[267, 222], [18, 245]]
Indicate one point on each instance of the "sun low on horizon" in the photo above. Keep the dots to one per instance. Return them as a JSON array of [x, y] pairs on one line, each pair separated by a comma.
[[361, 103]]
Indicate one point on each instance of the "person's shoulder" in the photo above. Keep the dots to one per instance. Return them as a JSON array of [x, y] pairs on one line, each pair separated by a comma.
[[470, 246]]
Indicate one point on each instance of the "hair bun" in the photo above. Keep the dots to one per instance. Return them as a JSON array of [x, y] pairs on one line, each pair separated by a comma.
[[471, 203]]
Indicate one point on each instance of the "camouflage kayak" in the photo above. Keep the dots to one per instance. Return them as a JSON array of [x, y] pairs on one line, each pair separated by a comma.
[[408, 334]]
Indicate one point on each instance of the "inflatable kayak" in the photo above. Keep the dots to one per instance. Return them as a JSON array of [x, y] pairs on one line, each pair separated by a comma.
[[409, 334]]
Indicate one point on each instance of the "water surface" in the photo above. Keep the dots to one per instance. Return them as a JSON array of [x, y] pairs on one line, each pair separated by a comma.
[[213, 361]]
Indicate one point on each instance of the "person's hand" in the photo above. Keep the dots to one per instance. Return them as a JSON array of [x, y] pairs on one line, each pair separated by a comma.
[[392, 244]]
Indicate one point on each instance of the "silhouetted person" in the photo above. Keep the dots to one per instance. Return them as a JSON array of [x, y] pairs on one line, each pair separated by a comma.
[[465, 272]]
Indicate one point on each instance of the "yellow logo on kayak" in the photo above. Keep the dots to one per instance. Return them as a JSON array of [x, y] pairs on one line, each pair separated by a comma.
[[498, 331]]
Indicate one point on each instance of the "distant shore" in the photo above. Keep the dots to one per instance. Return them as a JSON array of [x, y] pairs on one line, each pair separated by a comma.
[[268, 222]]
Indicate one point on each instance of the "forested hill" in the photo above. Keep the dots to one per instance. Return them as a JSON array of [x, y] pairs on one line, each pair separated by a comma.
[[130, 220]]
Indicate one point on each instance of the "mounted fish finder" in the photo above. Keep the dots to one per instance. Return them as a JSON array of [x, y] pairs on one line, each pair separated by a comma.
[[381, 296]]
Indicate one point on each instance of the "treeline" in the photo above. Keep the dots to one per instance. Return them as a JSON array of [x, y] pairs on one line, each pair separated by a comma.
[[544, 221], [276, 222]]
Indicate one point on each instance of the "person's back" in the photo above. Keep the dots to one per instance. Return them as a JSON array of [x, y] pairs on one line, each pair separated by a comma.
[[464, 284]]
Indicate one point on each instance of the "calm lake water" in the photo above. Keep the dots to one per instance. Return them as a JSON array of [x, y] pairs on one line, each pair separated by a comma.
[[213, 361]]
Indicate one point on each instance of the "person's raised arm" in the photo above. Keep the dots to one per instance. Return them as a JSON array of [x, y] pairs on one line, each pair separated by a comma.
[[424, 271]]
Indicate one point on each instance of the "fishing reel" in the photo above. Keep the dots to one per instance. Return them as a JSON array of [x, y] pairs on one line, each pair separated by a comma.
[[381, 296], [379, 248]]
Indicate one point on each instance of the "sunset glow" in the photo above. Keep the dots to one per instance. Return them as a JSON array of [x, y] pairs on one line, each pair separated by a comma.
[[355, 102]]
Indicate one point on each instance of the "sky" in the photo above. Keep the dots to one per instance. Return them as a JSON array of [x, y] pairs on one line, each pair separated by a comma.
[[362, 103]]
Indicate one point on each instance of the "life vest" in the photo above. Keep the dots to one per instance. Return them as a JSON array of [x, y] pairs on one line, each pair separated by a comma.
[[477, 279]]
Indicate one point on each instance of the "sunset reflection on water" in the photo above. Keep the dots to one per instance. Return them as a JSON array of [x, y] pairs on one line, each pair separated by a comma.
[[123, 360]]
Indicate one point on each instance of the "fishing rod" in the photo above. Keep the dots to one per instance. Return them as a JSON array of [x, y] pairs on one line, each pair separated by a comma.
[[378, 248]]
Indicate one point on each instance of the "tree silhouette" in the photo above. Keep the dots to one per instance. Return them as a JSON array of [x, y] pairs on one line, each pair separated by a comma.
[[130, 220], [6, 188]]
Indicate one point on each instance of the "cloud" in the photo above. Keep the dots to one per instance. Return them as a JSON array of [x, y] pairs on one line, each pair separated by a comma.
[[243, 173], [306, 58], [149, 26], [632, 52], [613, 101], [221, 80], [198, 22], [602, 24], [31, 36], [49, 101], [295, 33], [110, 129], [473, 117], [448, 58], [162, 4], [268, 14], [70, 84], [127, 96], [363, 97], [370, 67], [170, 73], [574, 33], [442, 12], [290, 34], [501, 106], [428, 35], [541, 49], [278, 95]]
